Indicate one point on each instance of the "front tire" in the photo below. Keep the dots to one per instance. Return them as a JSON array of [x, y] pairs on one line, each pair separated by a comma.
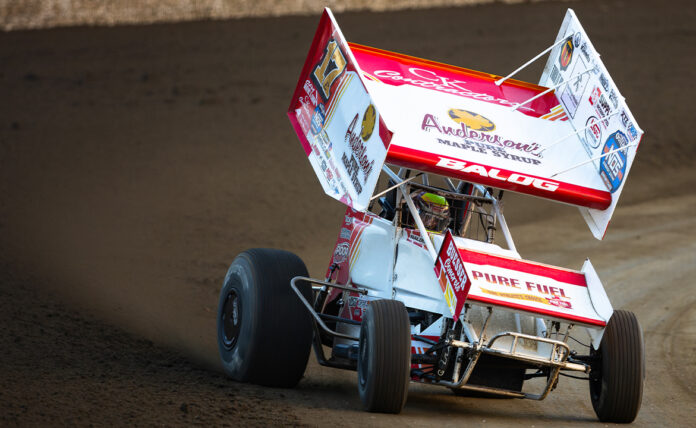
[[264, 332], [616, 380], [384, 361]]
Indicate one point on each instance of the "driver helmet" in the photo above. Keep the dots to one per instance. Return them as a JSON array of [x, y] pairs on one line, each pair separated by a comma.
[[433, 210]]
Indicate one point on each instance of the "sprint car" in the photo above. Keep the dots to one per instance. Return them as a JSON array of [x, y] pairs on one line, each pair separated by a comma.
[[403, 141]]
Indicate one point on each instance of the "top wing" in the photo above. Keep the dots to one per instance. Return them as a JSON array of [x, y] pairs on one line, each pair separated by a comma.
[[459, 123], [573, 145]]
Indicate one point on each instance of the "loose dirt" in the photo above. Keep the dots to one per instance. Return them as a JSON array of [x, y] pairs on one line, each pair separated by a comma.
[[137, 161]]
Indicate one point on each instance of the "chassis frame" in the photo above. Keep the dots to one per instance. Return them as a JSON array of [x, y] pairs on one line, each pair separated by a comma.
[[459, 338]]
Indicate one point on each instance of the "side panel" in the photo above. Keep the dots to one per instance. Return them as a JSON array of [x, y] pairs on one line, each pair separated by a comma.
[[596, 109], [600, 300], [336, 121], [364, 254], [415, 283]]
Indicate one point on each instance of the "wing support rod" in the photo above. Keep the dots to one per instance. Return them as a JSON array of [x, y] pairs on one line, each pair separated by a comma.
[[553, 88], [596, 158], [577, 132], [414, 213], [392, 187], [523, 66]]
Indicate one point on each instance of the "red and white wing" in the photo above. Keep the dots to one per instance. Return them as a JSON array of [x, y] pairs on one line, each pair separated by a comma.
[[574, 145]]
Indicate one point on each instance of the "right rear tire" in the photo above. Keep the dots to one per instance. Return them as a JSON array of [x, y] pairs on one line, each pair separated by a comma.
[[384, 360]]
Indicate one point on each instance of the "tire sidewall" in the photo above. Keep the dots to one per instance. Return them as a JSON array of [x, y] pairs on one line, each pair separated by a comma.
[[236, 361], [365, 362]]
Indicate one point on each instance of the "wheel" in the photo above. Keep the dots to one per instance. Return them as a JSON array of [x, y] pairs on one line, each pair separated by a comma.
[[384, 361], [264, 332], [616, 380]]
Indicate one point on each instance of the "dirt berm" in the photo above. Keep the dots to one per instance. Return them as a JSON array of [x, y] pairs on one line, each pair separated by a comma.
[[137, 161]]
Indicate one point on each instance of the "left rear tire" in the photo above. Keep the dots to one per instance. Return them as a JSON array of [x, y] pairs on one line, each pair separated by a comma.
[[264, 332]]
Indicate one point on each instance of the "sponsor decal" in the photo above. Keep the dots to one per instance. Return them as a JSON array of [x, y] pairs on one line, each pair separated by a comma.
[[357, 307], [585, 51], [593, 134], [555, 75], [566, 56], [604, 81], [479, 147], [612, 168], [471, 120], [357, 160], [431, 80], [477, 137], [543, 294], [330, 67], [368, 123], [311, 92], [451, 275], [556, 113], [600, 104], [613, 98], [345, 233], [628, 126], [577, 38], [341, 253], [414, 237], [318, 120], [497, 174], [573, 91]]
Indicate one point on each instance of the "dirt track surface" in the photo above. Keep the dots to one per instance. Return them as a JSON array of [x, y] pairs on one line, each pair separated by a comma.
[[136, 162]]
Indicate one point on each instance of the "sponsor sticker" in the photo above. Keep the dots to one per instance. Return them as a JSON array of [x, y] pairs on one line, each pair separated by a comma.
[[593, 134], [318, 120], [600, 104], [345, 233], [311, 92], [473, 121], [368, 123], [613, 98], [357, 305], [451, 275], [612, 168], [574, 90], [585, 51], [330, 67], [414, 237], [555, 75], [566, 56], [341, 253], [474, 133]]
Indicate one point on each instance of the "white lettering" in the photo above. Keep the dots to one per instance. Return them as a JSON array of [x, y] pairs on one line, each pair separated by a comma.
[[516, 178]]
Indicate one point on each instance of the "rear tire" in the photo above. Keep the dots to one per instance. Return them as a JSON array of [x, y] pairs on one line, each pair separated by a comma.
[[616, 380], [384, 361], [264, 331]]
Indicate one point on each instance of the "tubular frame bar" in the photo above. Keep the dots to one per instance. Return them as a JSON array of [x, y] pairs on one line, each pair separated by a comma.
[[311, 309], [556, 361]]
